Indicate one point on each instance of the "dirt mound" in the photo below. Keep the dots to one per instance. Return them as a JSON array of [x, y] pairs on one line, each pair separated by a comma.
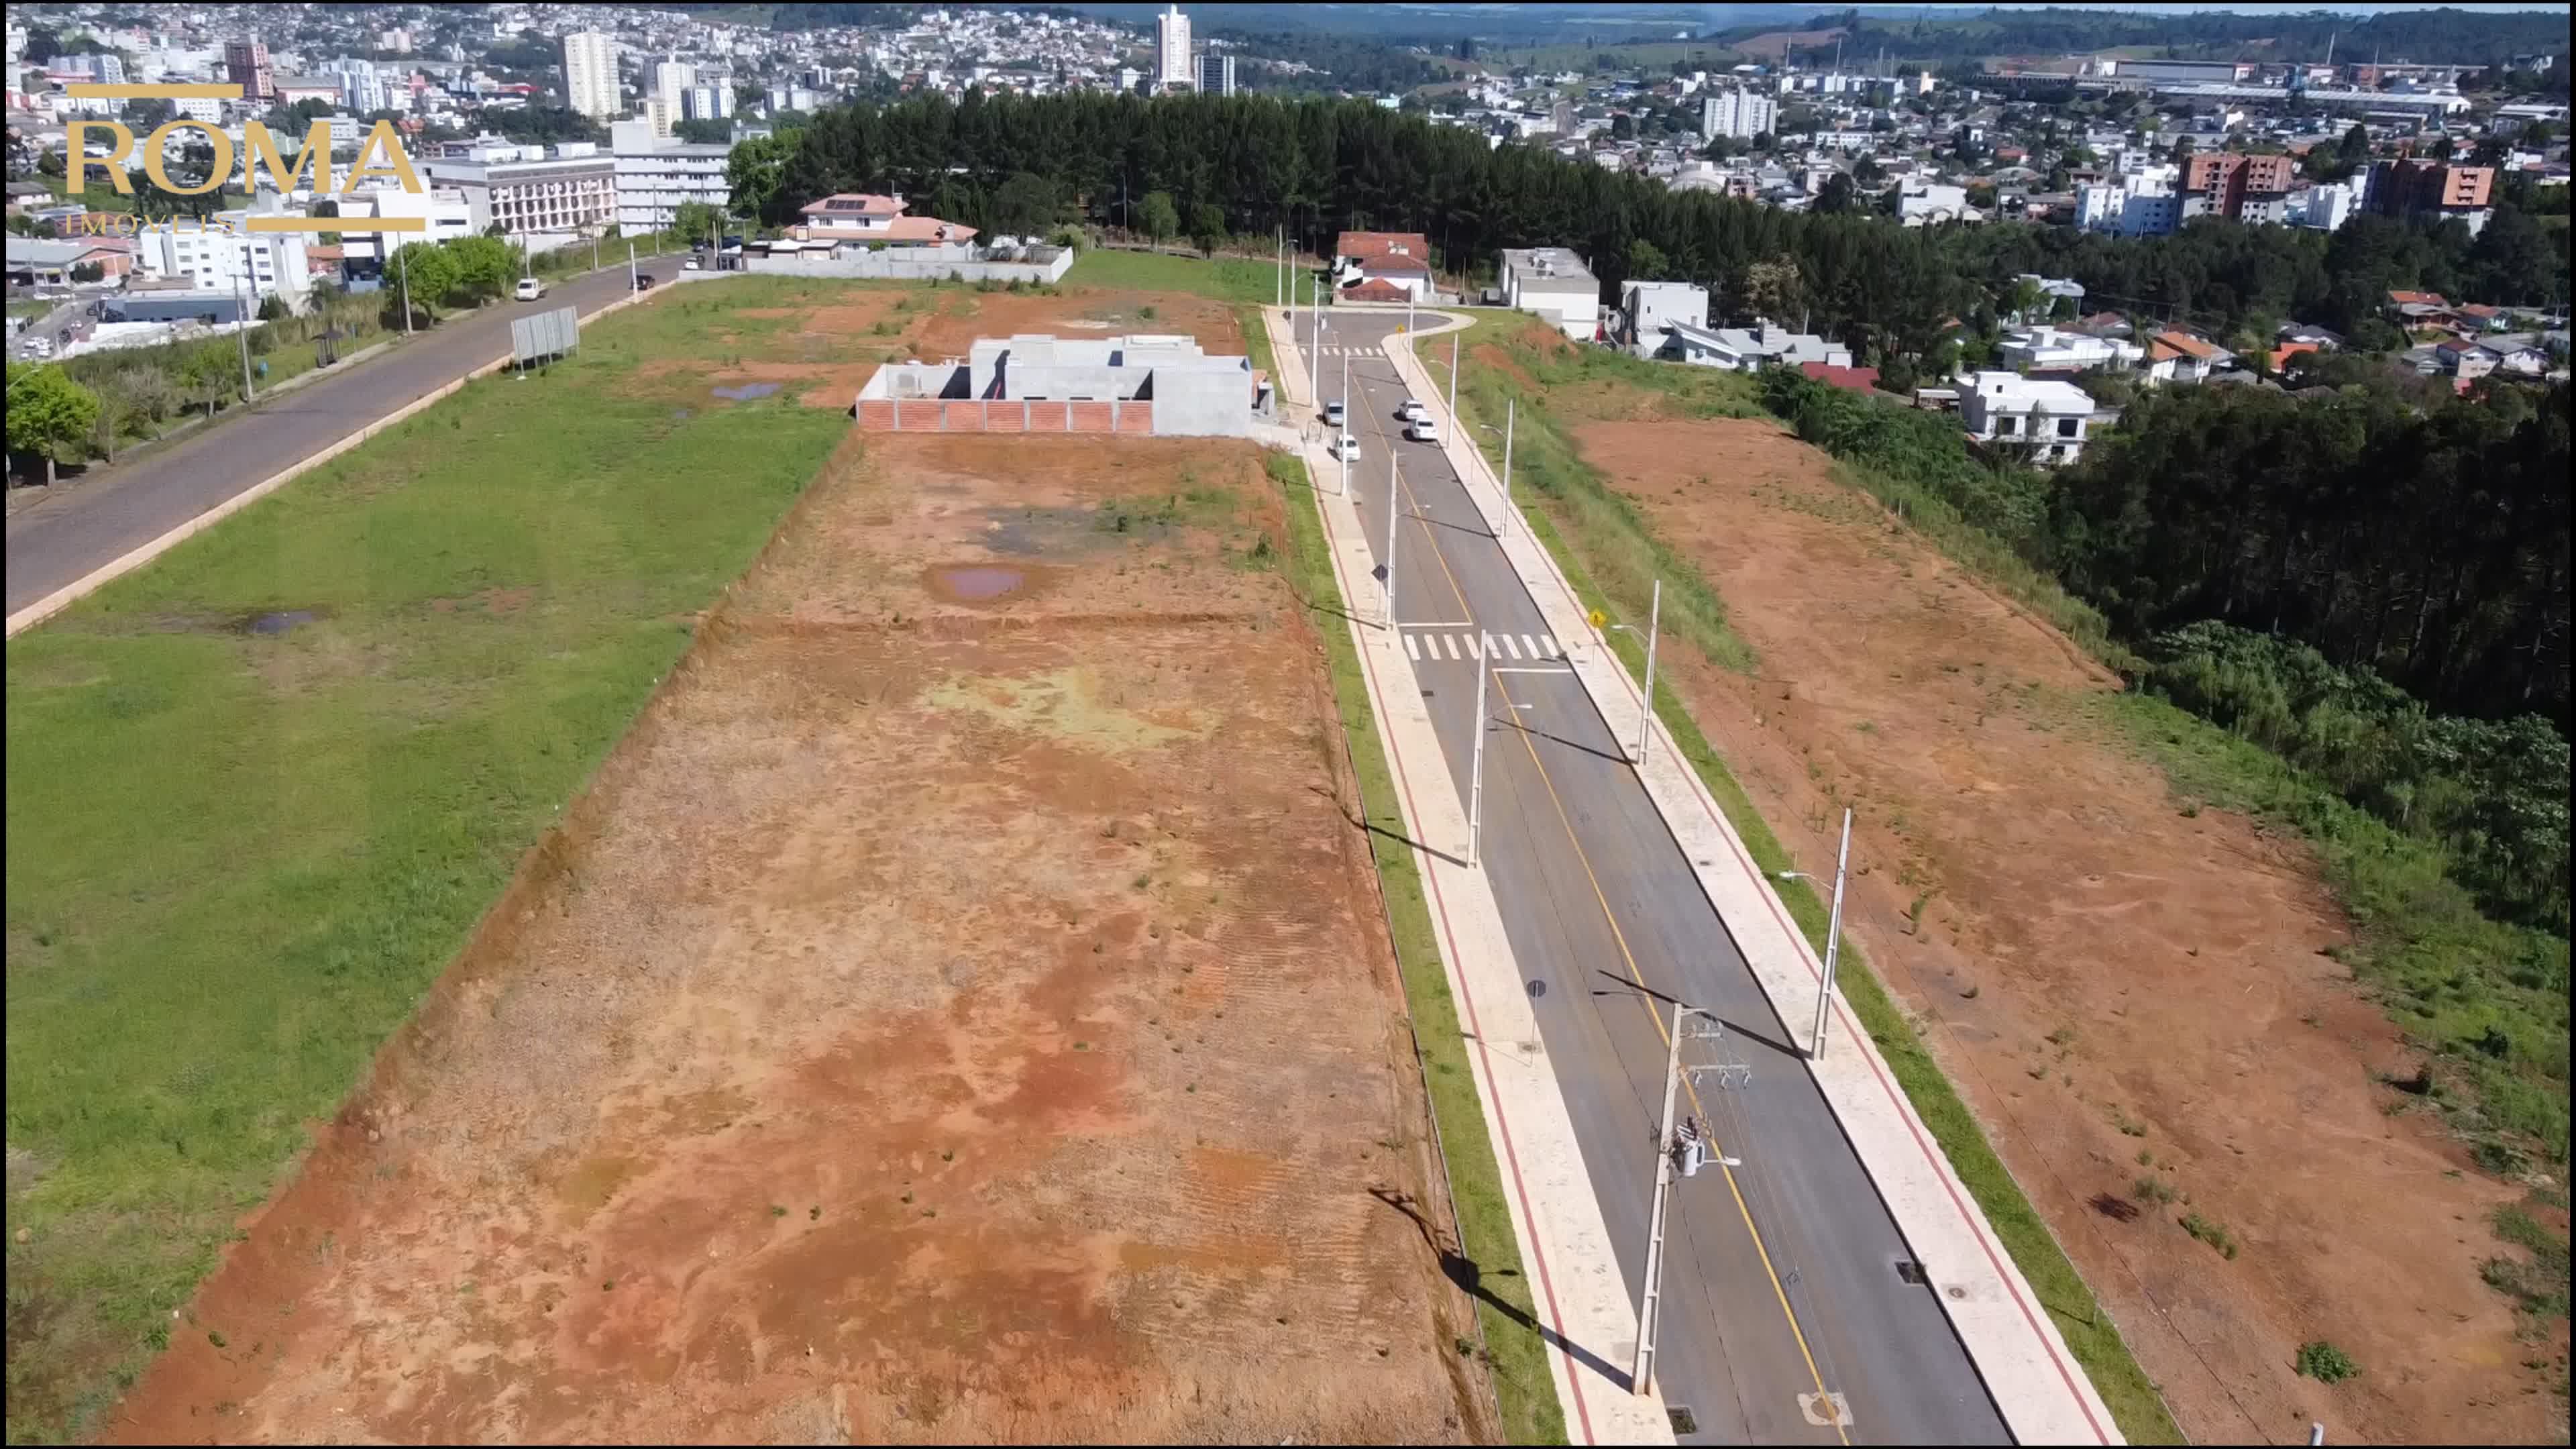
[[2122, 985]]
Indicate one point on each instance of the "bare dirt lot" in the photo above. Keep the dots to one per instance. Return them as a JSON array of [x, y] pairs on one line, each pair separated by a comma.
[[2122, 988], [959, 1011]]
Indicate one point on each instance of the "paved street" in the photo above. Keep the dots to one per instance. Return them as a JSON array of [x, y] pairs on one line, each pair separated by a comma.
[[113, 511], [1783, 1281]]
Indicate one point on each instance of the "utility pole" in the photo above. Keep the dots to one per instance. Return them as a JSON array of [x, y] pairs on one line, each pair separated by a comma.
[[1390, 537], [1833, 941], [241, 330], [631, 284], [1687, 1150], [1646, 707], [1476, 771], [1453, 378], [1511, 408], [406, 291]]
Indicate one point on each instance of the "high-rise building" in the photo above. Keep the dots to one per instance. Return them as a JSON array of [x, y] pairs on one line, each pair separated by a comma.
[[1172, 48], [1216, 75], [672, 79], [590, 74], [361, 89], [1741, 114], [710, 100], [246, 64], [2240, 187], [2408, 187]]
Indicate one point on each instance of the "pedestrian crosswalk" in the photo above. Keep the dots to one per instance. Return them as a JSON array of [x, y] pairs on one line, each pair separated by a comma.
[[1344, 349], [1421, 643]]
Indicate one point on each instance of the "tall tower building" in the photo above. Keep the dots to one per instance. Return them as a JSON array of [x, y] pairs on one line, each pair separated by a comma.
[[1216, 74], [246, 64], [1172, 48], [590, 74]]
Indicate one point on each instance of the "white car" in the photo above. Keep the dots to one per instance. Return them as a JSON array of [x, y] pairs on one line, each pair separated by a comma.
[[1333, 412], [1410, 410], [691, 265], [530, 289], [1422, 429], [1348, 449]]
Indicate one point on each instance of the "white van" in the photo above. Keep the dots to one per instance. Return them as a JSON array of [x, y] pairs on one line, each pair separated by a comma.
[[1348, 449], [530, 289]]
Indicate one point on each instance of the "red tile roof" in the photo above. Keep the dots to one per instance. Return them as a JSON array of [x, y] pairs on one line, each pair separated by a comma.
[[1370, 245], [2430, 299], [1376, 291], [2183, 344], [855, 203], [1858, 379]]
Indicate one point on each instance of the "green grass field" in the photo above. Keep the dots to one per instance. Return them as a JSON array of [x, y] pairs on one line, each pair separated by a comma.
[[1610, 554], [237, 859], [1524, 1391], [1227, 279]]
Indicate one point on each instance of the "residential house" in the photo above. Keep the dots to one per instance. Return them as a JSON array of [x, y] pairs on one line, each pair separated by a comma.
[[2299, 337], [1647, 310], [2485, 318], [1857, 379], [2520, 353], [2045, 421], [37, 262], [1739, 349], [871, 220], [2101, 324], [1555, 284], [2181, 357], [2466, 361], [1401, 259], [2050, 349]]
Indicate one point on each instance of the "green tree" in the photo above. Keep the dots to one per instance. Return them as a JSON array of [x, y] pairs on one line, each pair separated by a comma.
[[704, 131], [273, 308], [1023, 205], [47, 411], [485, 265], [695, 221], [756, 176], [1207, 226], [1836, 195], [1158, 216], [428, 270], [1647, 262]]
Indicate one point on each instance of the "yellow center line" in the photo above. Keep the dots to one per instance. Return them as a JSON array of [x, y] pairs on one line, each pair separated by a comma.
[[1778, 1291], [1657, 1016]]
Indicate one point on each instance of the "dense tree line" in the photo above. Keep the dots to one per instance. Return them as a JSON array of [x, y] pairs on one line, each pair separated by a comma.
[[1318, 167], [2428, 545]]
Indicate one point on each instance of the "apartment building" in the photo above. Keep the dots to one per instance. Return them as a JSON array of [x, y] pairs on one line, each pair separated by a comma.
[[1172, 48], [590, 74], [655, 178], [1216, 75], [1555, 284], [1738, 113], [246, 64], [2408, 187], [2232, 181], [525, 188]]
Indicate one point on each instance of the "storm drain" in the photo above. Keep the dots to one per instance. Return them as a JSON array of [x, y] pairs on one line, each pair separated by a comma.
[[1684, 1421], [1911, 1271]]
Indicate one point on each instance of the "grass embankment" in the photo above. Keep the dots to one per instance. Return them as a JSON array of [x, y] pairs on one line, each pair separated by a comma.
[[236, 859], [1611, 555], [1507, 1313], [1227, 279]]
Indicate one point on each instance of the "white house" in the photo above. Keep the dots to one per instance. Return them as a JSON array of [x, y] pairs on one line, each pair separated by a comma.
[[1738, 349], [2046, 349], [2045, 420], [443, 210], [1553, 283], [1919, 203], [1648, 310]]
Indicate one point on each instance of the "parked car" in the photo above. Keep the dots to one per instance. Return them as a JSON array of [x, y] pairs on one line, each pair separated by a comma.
[[1333, 413], [1422, 429], [530, 289], [1410, 410], [693, 265], [1348, 449]]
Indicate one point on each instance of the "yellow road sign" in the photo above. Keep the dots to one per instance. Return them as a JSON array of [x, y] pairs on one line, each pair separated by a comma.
[[1599, 618]]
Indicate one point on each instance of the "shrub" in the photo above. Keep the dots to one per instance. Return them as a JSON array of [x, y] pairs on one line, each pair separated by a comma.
[[2326, 1363]]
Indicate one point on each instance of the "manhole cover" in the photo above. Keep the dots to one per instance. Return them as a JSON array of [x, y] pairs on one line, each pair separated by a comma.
[[1537, 988], [1684, 1421]]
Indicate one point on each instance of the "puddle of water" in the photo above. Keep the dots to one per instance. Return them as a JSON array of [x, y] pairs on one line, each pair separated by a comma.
[[277, 623], [974, 581], [748, 391]]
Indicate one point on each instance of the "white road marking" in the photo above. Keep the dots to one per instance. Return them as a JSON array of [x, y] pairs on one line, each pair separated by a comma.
[[1510, 648], [1533, 669], [1473, 651], [1532, 645], [1549, 640], [1410, 652]]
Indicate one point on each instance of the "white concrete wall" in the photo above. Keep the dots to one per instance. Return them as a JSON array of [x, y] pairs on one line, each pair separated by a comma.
[[886, 264]]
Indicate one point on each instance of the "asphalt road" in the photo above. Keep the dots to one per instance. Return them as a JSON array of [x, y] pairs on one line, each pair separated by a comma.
[[113, 511], [1782, 1280]]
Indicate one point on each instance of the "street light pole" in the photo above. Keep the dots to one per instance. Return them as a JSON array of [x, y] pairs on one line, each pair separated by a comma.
[[241, 330], [1511, 409], [1453, 375], [631, 283], [1689, 1151], [1476, 771], [406, 291], [1390, 537], [1646, 707], [1833, 940]]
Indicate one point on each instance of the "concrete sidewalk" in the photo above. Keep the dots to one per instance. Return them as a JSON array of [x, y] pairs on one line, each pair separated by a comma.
[[1582, 1300], [2043, 1396]]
